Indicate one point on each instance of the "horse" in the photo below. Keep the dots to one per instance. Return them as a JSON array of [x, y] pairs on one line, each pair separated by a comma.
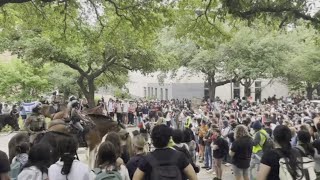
[[49, 111], [101, 125], [9, 119]]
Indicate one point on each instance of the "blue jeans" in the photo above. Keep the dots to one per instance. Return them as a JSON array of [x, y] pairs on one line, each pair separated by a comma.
[[208, 156]]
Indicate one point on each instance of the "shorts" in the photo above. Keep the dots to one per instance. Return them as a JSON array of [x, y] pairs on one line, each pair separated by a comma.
[[201, 141], [240, 172]]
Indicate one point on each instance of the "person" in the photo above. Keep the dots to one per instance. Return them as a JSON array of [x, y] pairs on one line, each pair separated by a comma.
[[119, 111], [269, 167], [4, 166], [203, 129], [23, 113], [220, 149], [139, 143], [115, 139], [35, 123], [131, 113], [20, 160], [177, 138], [75, 117], [38, 163], [151, 163], [107, 163], [111, 108], [241, 151], [68, 167], [125, 106], [260, 137], [207, 150], [6, 109]]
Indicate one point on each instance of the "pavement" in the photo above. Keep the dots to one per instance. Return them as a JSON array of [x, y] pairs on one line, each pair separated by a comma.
[[202, 175]]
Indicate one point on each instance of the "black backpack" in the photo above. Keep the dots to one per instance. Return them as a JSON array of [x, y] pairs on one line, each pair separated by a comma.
[[164, 170]]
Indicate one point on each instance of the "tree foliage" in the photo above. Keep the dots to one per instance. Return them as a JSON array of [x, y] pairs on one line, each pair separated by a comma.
[[97, 39], [21, 81]]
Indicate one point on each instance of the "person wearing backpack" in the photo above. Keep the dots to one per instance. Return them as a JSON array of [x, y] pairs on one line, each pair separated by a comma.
[[38, 163], [259, 138], [282, 162], [220, 149], [20, 160], [107, 165], [164, 163], [68, 167]]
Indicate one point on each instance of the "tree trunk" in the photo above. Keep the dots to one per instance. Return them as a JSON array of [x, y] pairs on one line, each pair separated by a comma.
[[90, 94], [247, 90], [87, 92], [309, 90], [212, 92]]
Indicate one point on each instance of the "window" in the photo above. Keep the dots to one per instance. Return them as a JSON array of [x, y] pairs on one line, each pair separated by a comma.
[[144, 91], [236, 90], [167, 94], [148, 91], [161, 94], [156, 92], [152, 92], [257, 88]]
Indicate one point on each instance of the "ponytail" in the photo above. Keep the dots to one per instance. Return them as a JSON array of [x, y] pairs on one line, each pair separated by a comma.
[[293, 165], [67, 159]]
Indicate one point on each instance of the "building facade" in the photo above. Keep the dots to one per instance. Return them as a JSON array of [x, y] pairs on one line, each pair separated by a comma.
[[191, 85]]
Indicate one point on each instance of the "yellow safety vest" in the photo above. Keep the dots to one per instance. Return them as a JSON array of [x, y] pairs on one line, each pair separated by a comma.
[[188, 122], [257, 148]]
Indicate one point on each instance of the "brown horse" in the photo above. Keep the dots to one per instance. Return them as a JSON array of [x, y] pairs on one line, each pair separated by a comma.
[[50, 112]]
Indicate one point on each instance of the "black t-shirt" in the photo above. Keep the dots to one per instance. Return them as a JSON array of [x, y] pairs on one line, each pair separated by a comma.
[[163, 155], [133, 164], [242, 148], [271, 158], [223, 148]]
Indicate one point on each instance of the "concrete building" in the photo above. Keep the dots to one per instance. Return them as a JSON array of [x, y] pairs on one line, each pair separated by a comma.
[[192, 85]]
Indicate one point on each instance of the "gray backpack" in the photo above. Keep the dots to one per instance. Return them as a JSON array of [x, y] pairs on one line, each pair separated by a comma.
[[15, 167], [106, 175]]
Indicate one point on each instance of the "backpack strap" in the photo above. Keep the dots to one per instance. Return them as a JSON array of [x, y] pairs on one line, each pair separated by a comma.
[[97, 171]]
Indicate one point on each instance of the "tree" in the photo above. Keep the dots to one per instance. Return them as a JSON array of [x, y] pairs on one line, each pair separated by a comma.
[[20, 81], [255, 53], [102, 43]]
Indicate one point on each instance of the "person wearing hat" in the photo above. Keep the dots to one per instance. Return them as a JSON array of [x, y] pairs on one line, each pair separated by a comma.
[[259, 138], [4, 166], [35, 123], [138, 143]]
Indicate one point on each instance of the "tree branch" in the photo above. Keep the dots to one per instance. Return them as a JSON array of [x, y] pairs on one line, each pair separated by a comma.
[[208, 20], [81, 85], [71, 65], [255, 11], [104, 67], [117, 8], [3, 2]]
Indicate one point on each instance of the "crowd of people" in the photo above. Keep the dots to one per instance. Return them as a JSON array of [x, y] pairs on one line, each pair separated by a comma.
[[274, 140]]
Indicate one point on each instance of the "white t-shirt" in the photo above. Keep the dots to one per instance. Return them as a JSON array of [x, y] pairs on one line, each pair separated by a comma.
[[78, 171], [125, 107]]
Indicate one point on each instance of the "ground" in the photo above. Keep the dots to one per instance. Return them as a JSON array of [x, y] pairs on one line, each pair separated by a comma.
[[203, 175]]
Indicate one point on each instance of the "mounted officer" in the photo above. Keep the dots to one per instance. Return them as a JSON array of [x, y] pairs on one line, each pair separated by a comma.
[[76, 117], [35, 123]]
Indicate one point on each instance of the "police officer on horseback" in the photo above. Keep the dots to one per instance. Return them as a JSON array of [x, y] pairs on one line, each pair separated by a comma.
[[76, 117], [35, 123]]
